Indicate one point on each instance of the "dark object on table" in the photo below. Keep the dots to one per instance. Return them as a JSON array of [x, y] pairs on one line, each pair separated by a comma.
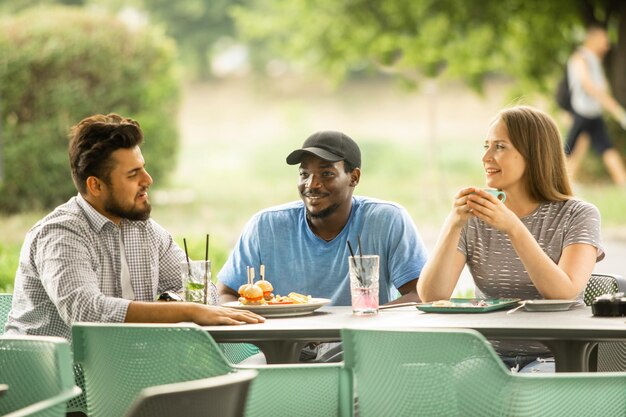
[[169, 296], [609, 305]]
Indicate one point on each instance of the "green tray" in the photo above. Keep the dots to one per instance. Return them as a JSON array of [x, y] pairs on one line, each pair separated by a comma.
[[468, 305]]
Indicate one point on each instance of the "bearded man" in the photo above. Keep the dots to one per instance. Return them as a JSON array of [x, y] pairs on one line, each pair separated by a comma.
[[99, 257]]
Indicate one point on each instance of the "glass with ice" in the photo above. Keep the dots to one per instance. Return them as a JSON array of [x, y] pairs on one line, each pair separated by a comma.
[[364, 284], [197, 284]]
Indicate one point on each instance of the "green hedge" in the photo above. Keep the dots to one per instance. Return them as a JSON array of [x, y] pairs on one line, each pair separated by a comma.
[[61, 64], [9, 256]]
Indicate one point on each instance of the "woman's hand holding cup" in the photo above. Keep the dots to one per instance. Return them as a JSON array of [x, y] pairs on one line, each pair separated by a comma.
[[461, 211], [487, 205], [474, 198]]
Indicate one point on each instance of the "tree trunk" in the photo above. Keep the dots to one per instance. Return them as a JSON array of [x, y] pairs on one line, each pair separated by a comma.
[[617, 73], [203, 62]]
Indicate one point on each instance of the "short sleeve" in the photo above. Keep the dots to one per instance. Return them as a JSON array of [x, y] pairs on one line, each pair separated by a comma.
[[584, 227], [462, 245]]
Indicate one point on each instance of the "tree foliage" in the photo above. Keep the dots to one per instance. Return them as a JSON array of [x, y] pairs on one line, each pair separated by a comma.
[[462, 39], [196, 25], [528, 40], [52, 75]]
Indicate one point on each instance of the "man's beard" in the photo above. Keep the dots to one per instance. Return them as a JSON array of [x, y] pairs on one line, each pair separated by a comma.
[[324, 213], [112, 206]]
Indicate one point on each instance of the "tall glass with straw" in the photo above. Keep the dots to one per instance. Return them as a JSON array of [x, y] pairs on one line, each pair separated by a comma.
[[364, 286], [196, 278]]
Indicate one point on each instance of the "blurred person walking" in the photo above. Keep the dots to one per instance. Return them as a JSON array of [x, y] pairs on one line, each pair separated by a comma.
[[590, 96]]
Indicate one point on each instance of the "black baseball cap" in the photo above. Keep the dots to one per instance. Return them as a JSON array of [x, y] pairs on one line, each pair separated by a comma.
[[330, 146]]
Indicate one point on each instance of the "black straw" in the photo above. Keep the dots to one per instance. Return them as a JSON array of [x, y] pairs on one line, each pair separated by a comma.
[[206, 248], [187, 255], [358, 273], [358, 239], [351, 251], [206, 268]]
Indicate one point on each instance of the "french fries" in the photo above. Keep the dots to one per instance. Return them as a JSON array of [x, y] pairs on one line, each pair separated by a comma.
[[293, 297], [299, 298]]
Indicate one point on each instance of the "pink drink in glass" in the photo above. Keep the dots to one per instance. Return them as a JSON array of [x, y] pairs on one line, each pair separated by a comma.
[[364, 284], [365, 300]]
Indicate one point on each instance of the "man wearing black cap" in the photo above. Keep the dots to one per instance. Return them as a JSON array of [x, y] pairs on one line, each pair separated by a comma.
[[303, 244]]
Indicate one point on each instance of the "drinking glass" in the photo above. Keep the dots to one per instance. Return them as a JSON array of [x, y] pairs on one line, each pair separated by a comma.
[[364, 284], [197, 284]]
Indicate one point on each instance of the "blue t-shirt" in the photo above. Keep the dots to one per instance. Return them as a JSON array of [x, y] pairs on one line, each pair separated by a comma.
[[297, 260]]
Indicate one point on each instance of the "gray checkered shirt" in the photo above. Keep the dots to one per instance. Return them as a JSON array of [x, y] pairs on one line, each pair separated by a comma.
[[70, 269]]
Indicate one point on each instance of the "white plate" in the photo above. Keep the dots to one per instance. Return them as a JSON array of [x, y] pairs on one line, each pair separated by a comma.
[[549, 305], [282, 310]]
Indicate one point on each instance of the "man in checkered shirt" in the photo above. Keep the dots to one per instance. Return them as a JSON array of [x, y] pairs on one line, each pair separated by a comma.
[[99, 257]]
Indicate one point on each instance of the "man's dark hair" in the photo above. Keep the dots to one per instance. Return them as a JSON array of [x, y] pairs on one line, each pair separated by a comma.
[[596, 25], [93, 140], [348, 167]]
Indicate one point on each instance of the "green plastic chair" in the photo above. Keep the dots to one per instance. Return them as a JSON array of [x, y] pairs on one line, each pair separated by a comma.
[[5, 307], [609, 356], [445, 372], [38, 371], [119, 360], [218, 396], [311, 390], [78, 404], [237, 352]]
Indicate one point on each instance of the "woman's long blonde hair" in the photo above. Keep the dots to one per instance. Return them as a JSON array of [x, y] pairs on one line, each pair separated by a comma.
[[536, 136]]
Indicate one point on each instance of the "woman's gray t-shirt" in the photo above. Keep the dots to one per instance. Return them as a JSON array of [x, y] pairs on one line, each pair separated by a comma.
[[498, 271]]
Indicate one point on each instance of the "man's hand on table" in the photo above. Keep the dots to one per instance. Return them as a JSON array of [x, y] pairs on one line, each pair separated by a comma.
[[176, 312], [212, 315]]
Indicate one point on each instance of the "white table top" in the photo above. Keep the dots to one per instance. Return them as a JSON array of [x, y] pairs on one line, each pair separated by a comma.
[[325, 325], [570, 335]]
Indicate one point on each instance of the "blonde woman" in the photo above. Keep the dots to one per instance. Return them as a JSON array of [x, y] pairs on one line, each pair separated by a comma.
[[539, 243]]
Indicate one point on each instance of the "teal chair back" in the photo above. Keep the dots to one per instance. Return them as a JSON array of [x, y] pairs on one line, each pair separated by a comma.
[[434, 372], [5, 307], [415, 373], [311, 390], [119, 360], [78, 404], [38, 372], [237, 352]]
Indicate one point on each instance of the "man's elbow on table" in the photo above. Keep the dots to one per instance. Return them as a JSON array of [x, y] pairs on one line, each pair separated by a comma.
[[408, 293], [226, 293]]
